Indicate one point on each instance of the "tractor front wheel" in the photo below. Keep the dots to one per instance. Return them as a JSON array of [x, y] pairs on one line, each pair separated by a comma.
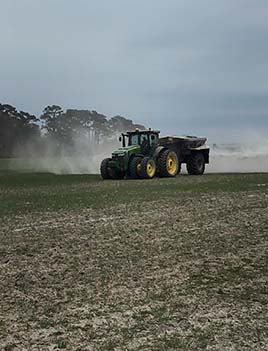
[[116, 175], [104, 169], [147, 168]]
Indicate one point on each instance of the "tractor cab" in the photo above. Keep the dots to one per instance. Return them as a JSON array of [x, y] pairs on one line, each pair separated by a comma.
[[146, 139]]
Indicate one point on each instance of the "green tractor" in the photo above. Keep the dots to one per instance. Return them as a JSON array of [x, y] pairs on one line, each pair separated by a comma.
[[144, 155]]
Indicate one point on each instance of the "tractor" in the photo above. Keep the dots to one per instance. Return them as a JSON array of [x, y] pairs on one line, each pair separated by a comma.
[[144, 155]]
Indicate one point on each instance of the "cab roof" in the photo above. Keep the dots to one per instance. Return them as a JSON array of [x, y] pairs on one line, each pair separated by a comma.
[[148, 131]]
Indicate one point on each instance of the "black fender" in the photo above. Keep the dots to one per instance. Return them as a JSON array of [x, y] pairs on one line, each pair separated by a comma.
[[157, 151], [134, 155]]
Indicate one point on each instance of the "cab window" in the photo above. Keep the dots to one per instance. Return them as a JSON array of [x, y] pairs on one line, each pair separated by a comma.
[[144, 137], [133, 139], [153, 139]]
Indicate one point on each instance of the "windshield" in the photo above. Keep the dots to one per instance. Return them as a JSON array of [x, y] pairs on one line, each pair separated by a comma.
[[133, 139], [139, 139]]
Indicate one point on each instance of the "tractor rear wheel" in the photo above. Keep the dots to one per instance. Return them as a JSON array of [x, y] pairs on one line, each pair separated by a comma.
[[147, 168], [196, 164], [134, 167], [104, 170], [168, 164]]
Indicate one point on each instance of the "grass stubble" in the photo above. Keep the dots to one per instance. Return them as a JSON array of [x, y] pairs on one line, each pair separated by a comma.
[[168, 264]]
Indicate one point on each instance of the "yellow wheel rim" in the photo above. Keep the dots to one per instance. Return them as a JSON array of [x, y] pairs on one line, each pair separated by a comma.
[[139, 167], [172, 164], [151, 168]]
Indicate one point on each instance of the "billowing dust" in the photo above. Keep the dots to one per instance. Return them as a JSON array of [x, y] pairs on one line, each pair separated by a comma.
[[82, 157], [249, 153]]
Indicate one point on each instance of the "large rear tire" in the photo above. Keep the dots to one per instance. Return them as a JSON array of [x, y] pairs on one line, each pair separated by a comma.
[[134, 167], [104, 169], [147, 168], [196, 164], [168, 164]]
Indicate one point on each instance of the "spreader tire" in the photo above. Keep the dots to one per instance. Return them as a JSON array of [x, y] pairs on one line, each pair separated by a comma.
[[196, 164], [168, 164], [133, 167], [104, 169], [147, 168]]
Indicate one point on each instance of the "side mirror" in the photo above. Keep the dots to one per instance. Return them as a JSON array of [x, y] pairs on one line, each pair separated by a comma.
[[120, 139]]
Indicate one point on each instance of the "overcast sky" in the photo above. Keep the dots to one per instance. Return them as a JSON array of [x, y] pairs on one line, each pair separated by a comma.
[[177, 65]]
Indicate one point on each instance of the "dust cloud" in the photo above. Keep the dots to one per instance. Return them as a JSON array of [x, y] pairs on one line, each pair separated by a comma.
[[244, 160], [81, 157], [248, 154]]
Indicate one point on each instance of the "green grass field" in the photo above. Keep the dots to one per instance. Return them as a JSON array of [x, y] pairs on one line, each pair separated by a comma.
[[164, 264]]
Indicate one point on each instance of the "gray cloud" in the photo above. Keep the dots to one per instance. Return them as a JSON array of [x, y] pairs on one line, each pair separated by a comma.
[[175, 64]]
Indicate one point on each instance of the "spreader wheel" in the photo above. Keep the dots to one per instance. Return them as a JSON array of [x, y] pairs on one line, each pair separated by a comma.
[[196, 164]]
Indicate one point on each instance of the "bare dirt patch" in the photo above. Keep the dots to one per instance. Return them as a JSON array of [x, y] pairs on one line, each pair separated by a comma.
[[187, 272]]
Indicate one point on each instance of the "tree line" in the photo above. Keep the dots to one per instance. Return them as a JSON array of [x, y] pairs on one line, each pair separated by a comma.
[[58, 126]]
